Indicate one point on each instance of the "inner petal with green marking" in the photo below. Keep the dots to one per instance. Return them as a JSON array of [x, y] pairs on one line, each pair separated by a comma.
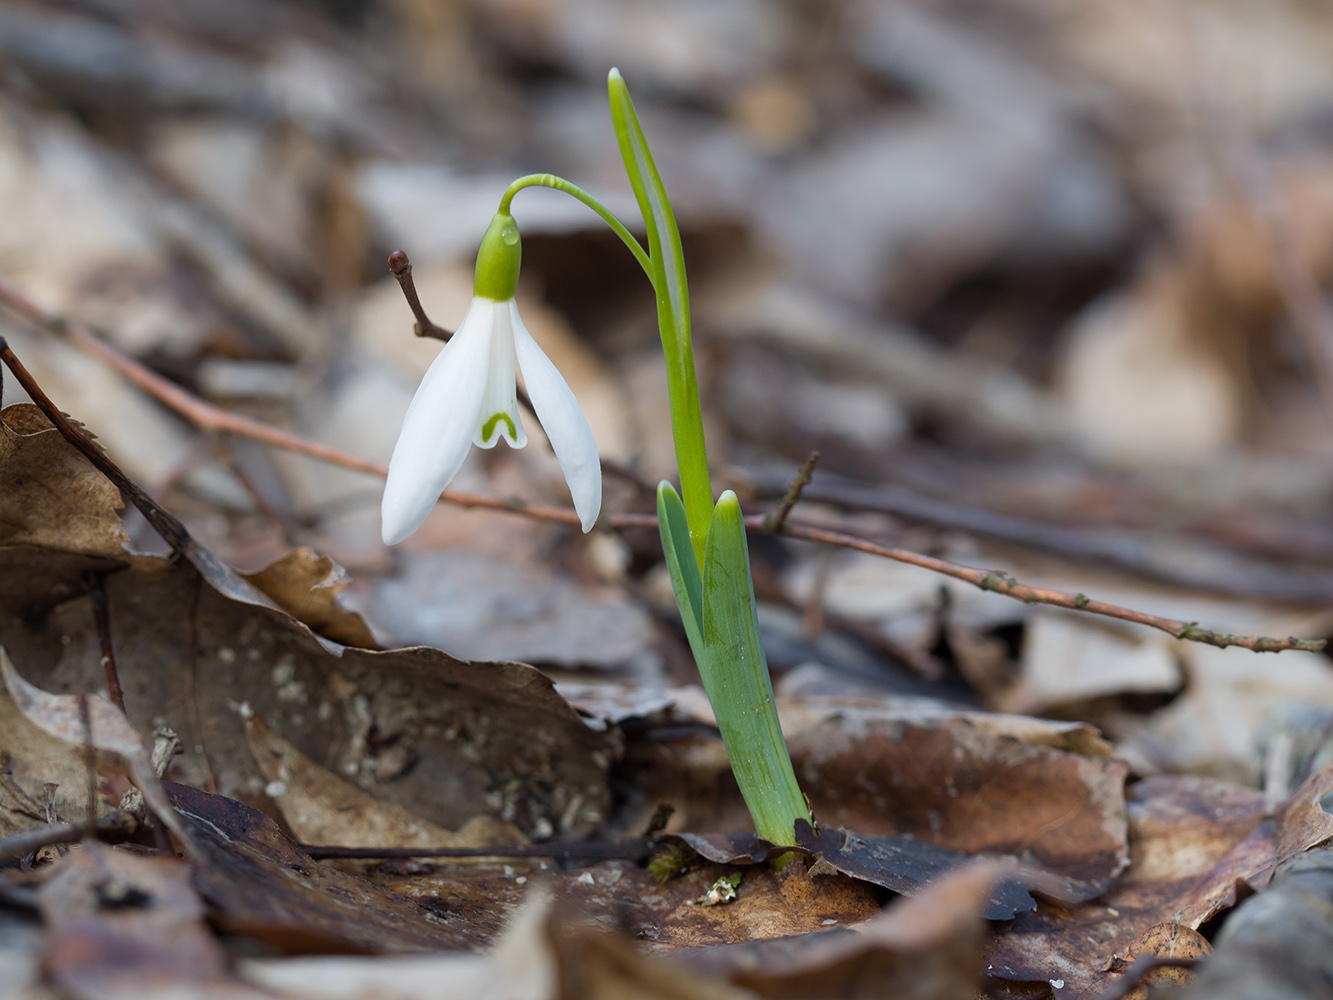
[[498, 417], [488, 428]]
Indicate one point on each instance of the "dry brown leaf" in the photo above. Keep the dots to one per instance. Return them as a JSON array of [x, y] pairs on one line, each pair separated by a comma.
[[520, 966], [34, 758], [106, 730], [120, 925], [321, 808], [903, 864], [50, 496], [953, 785], [928, 947], [595, 965], [450, 739], [1277, 943], [200, 647], [1166, 940], [263, 886], [1192, 840], [307, 586]]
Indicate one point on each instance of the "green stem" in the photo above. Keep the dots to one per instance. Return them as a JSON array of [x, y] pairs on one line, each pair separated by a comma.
[[574, 191], [673, 313]]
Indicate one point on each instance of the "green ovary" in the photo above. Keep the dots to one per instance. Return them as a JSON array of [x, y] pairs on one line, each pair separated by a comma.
[[488, 428]]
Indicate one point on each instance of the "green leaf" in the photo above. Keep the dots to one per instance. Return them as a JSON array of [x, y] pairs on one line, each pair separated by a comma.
[[673, 311], [735, 675], [684, 568]]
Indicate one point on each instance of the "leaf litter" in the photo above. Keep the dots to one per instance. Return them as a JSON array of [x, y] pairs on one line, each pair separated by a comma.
[[995, 347]]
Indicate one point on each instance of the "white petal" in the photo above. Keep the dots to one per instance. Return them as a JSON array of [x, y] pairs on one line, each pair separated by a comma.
[[564, 423], [499, 404], [437, 430]]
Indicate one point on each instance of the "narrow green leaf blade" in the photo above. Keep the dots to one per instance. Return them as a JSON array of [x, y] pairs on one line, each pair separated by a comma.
[[682, 565], [735, 675], [673, 310]]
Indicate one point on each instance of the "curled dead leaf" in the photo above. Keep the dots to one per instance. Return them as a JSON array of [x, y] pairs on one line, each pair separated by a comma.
[[308, 586]]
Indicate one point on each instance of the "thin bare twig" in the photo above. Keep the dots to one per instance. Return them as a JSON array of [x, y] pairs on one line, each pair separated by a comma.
[[1000, 582], [114, 827], [222, 448], [90, 759], [102, 619], [775, 520], [631, 848], [1140, 555], [401, 268], [207, 415]]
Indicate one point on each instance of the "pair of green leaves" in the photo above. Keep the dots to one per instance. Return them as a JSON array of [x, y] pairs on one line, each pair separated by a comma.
[[718, 609], [717, 602]]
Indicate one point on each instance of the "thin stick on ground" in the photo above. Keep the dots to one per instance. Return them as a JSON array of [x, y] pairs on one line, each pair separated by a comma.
[[205, 415], [1000, 582], [90, 760], [113, 828], [775, 520], [629, 848], [102, 619]]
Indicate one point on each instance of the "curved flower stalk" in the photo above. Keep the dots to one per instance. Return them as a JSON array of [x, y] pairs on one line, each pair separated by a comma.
[[469, 396]]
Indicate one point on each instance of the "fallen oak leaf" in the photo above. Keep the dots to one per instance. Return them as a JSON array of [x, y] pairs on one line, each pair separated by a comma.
[[999, 787], [1277, 943]]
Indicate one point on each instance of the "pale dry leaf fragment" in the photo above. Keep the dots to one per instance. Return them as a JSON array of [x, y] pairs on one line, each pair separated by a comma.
[[33, 758], [108, 731], [308, 586], [520, 966]]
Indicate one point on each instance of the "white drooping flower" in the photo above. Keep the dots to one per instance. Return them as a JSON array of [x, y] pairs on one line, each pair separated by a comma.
[[469, 396]]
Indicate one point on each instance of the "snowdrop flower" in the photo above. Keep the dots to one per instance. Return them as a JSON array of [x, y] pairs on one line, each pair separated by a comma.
[[469, 397]]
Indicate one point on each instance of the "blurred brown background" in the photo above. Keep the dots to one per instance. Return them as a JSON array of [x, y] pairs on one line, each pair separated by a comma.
[[1043, 282]]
